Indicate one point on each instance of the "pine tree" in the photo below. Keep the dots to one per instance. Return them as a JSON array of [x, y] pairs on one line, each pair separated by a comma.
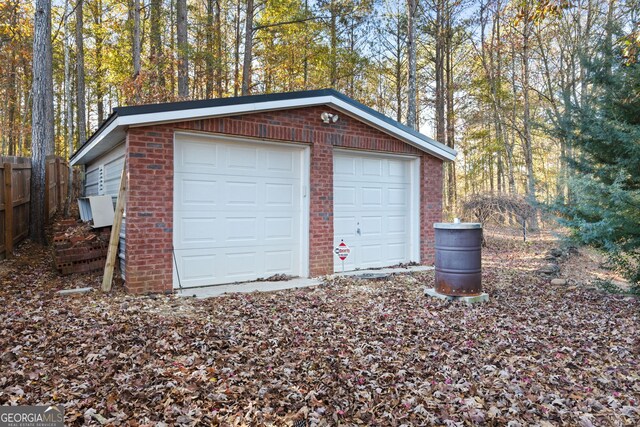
[[605, 210]]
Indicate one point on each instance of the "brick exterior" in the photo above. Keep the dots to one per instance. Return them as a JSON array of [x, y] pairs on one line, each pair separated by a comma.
[[149, 241]]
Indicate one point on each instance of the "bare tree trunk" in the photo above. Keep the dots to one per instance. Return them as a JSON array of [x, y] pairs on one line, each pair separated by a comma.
[[236, 53], [42, 117], [399, 72], [608, 41], [439, 74], [12, 101], [219, 59], [412, 115], [80, 88], [99, 42], [528, 152], [12, 90], [137, 49], [451, 125], [333, 52], [183, 49], [155, 51], [209, 59], [68, 107], [172, 48], [248, 49]]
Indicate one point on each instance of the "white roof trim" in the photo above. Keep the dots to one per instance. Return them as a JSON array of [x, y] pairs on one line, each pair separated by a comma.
[[122, 122]]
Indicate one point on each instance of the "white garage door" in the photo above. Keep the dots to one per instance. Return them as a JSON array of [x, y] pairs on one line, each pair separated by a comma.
[[375, 210], [238, 210]]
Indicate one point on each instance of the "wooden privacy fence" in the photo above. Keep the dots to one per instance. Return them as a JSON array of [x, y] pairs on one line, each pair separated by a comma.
[[15, 184]]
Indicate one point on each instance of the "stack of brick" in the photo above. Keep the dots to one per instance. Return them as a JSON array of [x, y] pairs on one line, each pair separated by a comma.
[[78, 248]]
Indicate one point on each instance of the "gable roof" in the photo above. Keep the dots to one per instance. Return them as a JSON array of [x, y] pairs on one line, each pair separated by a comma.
[[112, 131]]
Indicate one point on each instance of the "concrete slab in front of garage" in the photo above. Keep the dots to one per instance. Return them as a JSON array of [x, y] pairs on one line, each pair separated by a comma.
[[270, 286]]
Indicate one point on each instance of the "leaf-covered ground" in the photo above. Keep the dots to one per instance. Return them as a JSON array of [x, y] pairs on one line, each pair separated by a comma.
[[345, 353]]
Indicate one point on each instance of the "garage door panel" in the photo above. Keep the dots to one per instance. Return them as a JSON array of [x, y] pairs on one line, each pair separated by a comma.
[[241, 193], [344, 166], [197, 192], [396, 252], [241, 229], [398, 171], [372, 167], [344, 196], [396, 224], [196, 230], [196, 265], [240, 220], [371, 226], [245, 158], [397, 197], [371, 254], [280, 161], [197, 157], [279, 228], [376, 200], [241, 264], [282, 195], [371, 196], [344, 227], [280, 262]]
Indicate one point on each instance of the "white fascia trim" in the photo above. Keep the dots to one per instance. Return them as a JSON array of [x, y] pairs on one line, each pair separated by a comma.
[[406, 136], [231, 110], [227, 110], [87, 148]]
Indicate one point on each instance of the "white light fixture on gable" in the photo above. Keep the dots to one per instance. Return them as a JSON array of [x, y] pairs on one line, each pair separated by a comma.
[[329, 118]]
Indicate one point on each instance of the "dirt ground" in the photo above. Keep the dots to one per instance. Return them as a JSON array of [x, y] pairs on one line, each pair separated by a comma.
[[348, 352]]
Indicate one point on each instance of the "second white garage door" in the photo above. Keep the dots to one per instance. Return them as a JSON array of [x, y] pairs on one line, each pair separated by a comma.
[[375, 209], [238, 209]]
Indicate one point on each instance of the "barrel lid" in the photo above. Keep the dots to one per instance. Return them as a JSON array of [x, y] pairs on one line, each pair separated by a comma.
[[457, 226]]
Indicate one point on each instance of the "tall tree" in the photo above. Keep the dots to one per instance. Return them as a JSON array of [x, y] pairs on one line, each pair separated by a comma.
[[156, 54], [449, 94], [412, 115], [68, 104], [210, 58], [42, 117], [183, 49], [439, 71], [527, 22], [605, 211], [136, 47], [248, 49], [98, 31], [81, 95]]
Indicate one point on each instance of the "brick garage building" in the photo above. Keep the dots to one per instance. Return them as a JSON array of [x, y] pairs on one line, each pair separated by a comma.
[[237, 189]]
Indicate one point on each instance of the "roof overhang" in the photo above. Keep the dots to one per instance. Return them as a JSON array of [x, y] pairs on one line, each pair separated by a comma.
[[113, 131]]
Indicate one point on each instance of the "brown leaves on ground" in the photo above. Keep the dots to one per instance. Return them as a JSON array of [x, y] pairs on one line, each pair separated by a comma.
[[350, 352]]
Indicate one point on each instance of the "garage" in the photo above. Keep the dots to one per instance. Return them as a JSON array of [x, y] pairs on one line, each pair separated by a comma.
[[233, 190], [238, 210], [374, 214]]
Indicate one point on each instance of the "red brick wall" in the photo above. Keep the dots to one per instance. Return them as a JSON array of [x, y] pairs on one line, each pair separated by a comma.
[[149, 223]]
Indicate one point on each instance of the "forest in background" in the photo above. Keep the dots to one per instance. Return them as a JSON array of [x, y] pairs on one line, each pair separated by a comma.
[[498, 80]]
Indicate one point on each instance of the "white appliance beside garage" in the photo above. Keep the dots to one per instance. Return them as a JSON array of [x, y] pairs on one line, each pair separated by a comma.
[[238, 210], [376, 209]]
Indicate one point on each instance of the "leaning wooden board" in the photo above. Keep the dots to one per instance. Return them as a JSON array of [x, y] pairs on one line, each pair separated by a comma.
[[115, 233]]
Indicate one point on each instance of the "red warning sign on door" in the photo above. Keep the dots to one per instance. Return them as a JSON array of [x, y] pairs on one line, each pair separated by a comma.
[[342, 250]]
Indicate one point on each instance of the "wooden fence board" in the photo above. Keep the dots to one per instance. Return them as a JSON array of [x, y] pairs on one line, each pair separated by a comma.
[[15, 197]]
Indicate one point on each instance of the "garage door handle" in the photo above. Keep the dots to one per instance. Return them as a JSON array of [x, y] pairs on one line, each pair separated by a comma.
[[358, 231]]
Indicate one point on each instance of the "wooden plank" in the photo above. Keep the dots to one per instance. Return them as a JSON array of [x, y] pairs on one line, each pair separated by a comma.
[[20, 166], [47, 199], [8, 211], [115, 233], [58, 185]]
